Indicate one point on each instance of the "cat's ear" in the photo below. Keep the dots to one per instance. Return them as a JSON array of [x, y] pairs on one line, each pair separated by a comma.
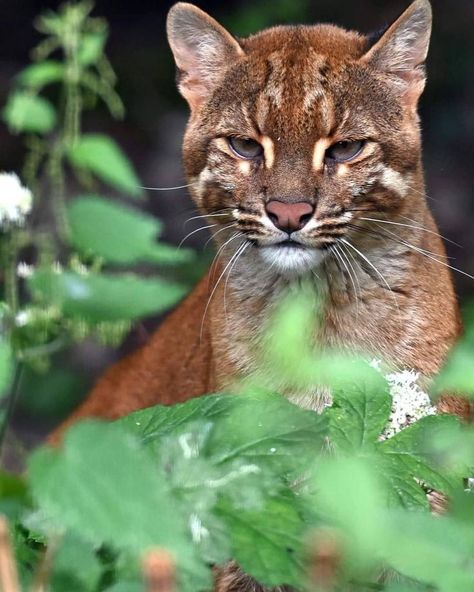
[[202, 50], [401, 51]]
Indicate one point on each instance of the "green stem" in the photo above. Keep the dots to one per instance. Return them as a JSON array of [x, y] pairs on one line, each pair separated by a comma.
[[10, 404], [56, 178], [9, 271]]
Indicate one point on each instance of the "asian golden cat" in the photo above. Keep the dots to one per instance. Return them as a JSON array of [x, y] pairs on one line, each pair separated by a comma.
[[303, 150]]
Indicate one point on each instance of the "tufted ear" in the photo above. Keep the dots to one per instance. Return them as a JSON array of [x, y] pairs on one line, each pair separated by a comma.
[[202, 50], [402, 49]]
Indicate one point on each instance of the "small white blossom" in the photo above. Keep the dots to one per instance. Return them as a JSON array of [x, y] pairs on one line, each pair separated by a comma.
[[15, 200], [409, 402], [22, 318], [24, 270]]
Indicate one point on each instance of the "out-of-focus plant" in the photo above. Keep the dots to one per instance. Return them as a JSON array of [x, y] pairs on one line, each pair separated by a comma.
[[66, 250]]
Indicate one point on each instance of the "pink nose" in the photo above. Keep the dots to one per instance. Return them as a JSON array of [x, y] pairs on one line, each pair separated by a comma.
[[289, 217]]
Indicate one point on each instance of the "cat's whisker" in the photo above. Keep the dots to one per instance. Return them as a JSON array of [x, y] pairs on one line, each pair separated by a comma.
[[216, 286], [166, 188], [207, 227], [242, 248], [391, 222], [334, 249], [351, 260], [226, 227], [215, 215], [219, 252], [382, 277]]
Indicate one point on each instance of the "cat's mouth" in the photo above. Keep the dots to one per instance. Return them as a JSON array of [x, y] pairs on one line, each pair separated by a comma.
[[290, 257]]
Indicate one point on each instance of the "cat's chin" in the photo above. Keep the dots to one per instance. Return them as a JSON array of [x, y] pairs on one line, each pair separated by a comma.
[[289, 260]]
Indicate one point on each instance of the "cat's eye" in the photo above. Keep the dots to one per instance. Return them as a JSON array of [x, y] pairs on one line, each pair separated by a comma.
[[344, 151], [245, 147]]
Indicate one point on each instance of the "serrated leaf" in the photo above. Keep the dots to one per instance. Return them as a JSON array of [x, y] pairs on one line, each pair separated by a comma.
[[42, 73], [25, 112], [118, 234], [358, 416], [101, 297], [267, 543], [269, 430], [103, 474], [76, 566], [101, 156], [91, 48], [411, 457]]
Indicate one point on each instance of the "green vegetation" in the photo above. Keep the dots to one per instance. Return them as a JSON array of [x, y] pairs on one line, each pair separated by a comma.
[[321, 502]]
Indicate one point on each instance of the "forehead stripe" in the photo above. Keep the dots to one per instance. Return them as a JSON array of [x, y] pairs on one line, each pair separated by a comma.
[[269, 151], [318, 153]]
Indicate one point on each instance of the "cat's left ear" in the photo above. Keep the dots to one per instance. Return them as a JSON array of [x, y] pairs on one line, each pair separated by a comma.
[[402, 50]]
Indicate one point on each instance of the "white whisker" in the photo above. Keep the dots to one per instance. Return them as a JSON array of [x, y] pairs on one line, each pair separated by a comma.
[[194, 232], [241, 250], [166, 188], [410, 226]]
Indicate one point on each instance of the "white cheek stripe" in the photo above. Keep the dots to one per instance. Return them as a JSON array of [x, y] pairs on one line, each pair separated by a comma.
[[393, 180]]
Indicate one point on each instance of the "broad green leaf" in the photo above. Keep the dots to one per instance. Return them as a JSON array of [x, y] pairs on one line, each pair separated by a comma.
[[118, 234], [101, 156], [42, 73], [91, 47], [358, 416], [153, 423], [104, 297], [105, 488], [25, 112], [267, 543], [408, 456], [269, 430]]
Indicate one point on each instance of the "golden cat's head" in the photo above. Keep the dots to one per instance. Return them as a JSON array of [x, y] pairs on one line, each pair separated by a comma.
[[296, 130]]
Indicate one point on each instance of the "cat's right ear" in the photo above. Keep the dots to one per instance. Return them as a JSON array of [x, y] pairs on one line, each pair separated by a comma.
[[202, 50]]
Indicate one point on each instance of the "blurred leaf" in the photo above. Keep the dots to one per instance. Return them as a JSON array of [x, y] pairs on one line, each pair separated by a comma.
[[102, 473], [76, 567], [28, 113], [103, 297], [103, 157], [457, 375], [117, 234], [40, 74], [91, 47]]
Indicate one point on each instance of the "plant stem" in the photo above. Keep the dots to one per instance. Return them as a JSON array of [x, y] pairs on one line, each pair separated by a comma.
[[10, 404], [9, 270], [56, 178]]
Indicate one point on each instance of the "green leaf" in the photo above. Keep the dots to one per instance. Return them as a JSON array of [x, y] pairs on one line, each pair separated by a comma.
[[267, 543], [100, 155], [104, 297], [118, 234], [28, 113], [106, 489], [358, 416], [409, 455], [42, 73], [76, 567], [91, 48]]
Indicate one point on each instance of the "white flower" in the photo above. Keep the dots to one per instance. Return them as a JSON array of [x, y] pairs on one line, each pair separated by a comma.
[[15, 200], [409, 402], [24, 270]]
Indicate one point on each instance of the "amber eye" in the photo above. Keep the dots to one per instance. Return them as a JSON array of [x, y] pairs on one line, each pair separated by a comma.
[[245, 147], [344, 151]]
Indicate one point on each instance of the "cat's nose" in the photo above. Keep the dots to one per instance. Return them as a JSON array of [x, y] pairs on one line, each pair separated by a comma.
[[289, 217]]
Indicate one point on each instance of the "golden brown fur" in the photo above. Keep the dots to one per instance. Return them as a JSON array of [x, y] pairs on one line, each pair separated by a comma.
[[371, 248]]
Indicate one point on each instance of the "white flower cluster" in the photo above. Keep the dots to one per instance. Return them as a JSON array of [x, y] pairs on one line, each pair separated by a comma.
[[409, 402], [15, 200]]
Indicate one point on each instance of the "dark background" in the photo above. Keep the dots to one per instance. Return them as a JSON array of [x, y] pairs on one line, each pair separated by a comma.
[[152, 131]]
